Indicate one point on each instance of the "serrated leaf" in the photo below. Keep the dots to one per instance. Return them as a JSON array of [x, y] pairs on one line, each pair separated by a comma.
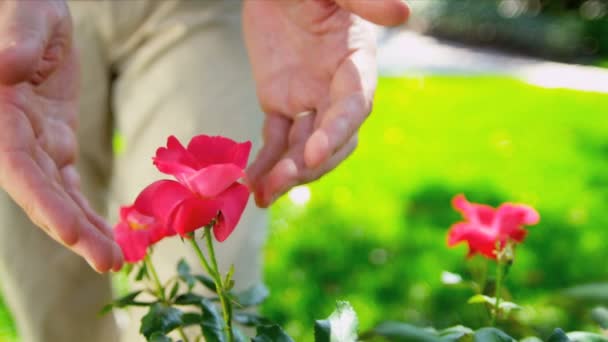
[[397, 331], [159, 337], [250, 319], [206, 281], [183, 271], [191, 318], [558, 335], [189, 299], [271, 333], [212, 323], [600, 316], [253, 296], [491, 335], [160, 318], [455, 333]]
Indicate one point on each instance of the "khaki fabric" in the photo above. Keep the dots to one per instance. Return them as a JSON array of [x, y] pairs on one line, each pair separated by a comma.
[[149, 69]]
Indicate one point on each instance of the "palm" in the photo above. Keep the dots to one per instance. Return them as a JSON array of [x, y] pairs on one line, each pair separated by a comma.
[[307, 56], [299, 55], [38, 111]]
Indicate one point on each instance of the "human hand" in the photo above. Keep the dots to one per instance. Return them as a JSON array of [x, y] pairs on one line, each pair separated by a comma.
[[315, 70], [38, 113]]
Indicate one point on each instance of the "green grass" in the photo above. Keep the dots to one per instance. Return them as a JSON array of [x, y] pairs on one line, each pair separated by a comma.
[[374, 230]]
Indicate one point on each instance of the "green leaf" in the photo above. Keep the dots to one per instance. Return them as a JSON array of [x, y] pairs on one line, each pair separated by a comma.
[[322, 330], [206, 281], [271, 333], [126, 300], [159, 337], [142, 273], [397, 331], [191, 318], [341, 326], [238, 335], [253, 296], [583, 336], [595, 292], [229, 275], [250, 319], [491, 335], [479, 298], [455, 333], [212, 323], [183, 270], [174, 290], [161, 319], [189, 299], [558, 336], [504, 306], [600, 316]]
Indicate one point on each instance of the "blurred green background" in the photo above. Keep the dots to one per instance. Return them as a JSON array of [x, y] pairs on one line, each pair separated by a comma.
[[374, 231]]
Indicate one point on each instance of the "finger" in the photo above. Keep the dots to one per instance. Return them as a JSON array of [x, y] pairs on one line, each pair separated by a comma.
[[28, 49], [338, 126], [275, 134], [291, 171], [71, 179], [52, 209], [381, 12]]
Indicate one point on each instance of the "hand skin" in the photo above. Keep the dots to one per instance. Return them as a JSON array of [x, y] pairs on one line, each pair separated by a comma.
[[38, 114], [311, 55]]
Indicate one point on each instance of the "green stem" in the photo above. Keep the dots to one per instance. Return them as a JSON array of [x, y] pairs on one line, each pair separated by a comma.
[[161, 290], [500, 270], [215, 274], [159, 287]]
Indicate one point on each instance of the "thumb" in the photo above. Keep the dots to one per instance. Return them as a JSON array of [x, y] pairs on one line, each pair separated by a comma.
[[33, 37], [381, 12]]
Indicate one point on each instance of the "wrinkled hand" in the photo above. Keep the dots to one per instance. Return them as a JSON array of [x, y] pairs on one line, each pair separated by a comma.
[[315, 71], [38, 111]]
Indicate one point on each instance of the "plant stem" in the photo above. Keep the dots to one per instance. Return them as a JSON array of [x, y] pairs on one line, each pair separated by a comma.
[[215, 274], [161, 291], [159, 287], [500, 270]]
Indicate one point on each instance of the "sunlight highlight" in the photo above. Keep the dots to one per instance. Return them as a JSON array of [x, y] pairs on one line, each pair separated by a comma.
[[300, 195]]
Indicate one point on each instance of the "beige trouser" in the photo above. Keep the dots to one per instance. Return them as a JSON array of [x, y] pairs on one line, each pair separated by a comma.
[[149, 69]]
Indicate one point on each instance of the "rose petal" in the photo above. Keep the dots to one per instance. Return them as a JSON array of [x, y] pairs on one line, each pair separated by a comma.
[[214, 179], [174, 159], [510, 219], [133, 243], [232, 204], [480, 239], [473, 212], [209, 150], [192, 214], [160, 198]]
